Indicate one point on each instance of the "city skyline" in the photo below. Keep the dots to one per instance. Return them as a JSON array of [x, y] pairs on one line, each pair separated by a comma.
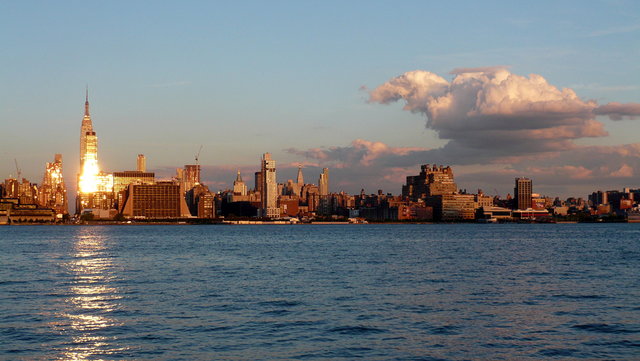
[[249, 93]]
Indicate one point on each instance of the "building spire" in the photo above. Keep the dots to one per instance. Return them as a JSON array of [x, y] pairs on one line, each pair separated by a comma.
[[300, 178], [238, 177], [86, 102]]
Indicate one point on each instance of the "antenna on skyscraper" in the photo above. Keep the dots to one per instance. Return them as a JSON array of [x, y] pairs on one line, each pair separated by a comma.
[[17, 169], [198, 155]]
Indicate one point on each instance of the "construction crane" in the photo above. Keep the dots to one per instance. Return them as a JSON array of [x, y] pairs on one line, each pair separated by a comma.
[[198, 154], [18, 169]]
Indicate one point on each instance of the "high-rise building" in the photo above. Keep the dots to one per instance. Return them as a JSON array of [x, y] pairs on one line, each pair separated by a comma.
[[522, 192], [95, 188], [191, 176], [299, 182], [269, 195], [258, 182], [53, 192], [300, 178], [239, 188], [431, 181], [323, 182], [142, 163], [85, 129]]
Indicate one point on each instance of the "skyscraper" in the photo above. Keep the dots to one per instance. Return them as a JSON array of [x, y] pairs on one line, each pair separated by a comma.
[[300, 178], [95, 188], [523, 192], [191, 176], [258, 181], [86, 129], [239, 188], [323, 182], [142, 163], [269, 195], [431, 181], [53, 193], [88, 173]]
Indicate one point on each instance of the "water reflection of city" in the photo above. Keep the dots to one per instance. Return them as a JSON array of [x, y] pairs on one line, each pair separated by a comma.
[[88, 310]]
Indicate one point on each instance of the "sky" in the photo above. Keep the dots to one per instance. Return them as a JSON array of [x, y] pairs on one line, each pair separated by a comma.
[[370, 89]]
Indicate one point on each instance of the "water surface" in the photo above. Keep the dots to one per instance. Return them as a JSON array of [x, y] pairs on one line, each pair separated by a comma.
[[409, 292]]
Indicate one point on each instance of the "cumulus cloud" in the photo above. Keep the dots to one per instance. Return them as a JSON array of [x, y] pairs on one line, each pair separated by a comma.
[[499, 125], [491, 110]]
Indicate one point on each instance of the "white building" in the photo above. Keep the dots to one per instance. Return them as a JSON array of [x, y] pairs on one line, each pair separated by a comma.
[[269, 194]]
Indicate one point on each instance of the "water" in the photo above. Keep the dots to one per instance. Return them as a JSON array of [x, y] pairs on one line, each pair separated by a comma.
[[408, 292]]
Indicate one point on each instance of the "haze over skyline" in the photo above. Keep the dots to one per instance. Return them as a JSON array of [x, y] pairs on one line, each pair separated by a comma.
[[325, 85]]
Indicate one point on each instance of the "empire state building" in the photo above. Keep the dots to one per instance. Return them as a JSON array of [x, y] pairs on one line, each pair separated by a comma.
[[88, 139], [95, 188]]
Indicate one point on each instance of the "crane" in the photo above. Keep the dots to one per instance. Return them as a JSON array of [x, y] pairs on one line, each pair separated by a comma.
[[18, 169], [198, 154]]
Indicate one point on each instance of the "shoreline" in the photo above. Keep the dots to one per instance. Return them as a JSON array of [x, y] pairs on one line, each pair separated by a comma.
[[285, 223]]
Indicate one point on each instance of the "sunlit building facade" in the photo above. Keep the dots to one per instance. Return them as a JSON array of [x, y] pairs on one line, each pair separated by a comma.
[[431, 181], [522, 191], [239, 187], [142, 163], [269, 194], [323, 182], [155, 201], [95, 188], [191, 176], [53, 192]]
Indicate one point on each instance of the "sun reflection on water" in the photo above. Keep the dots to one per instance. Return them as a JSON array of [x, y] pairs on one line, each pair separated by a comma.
[[87, 316]]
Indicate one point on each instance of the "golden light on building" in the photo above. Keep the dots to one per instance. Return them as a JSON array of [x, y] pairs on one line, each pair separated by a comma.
[[89, 177], [53, 192], [95, 188]]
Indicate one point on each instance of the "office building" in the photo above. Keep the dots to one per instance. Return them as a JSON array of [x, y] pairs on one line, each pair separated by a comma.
[[522, 192], [239, 188], [323, 182], [269, 194], [53, 192], [431, 181], [159, 200], [141, 164], [300, 177], [453, 207], [191, 176]]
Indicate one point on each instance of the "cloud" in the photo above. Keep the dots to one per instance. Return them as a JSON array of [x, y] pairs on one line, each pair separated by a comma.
[[360, 152], [498, 125], [618, 111], [625, 171], [489, 113]]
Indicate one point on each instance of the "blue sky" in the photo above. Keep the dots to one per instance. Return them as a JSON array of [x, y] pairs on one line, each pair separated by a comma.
[[250, 77]]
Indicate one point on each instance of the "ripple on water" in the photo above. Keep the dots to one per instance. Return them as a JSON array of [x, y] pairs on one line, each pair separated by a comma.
[[356, 330], [559, 352], [606, 328], [615, 344], [280, 303], [581, 297], [380, 292]]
